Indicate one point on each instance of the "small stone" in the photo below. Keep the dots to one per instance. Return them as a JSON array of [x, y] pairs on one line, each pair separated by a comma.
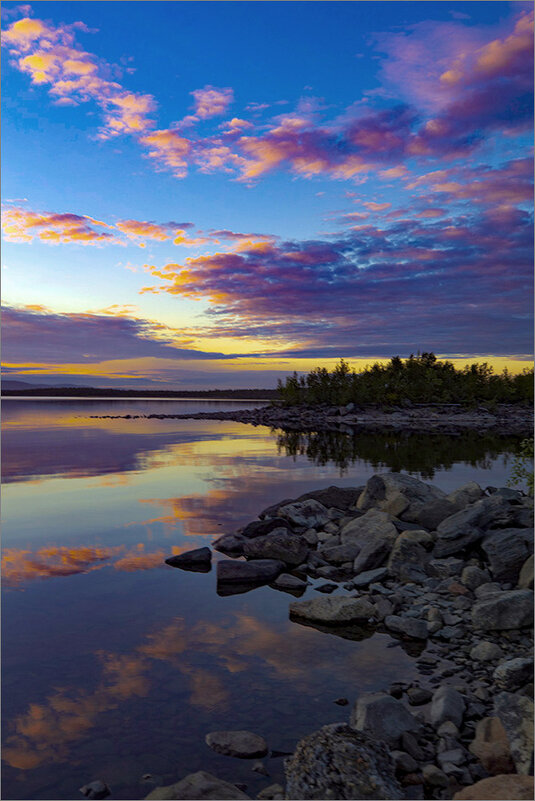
[[326, 588], [410, 745], [274, 792], [409, 627], [418, 696], [486, 651], [341, 701], [96, 789], [195, 557], [525, 579], [241, 744], [434, 777], [403, 762], [454, 756], [337, 610], [309, 513], [259, 767], [473, 577], [369, 577], [288, 582], [447, 704]]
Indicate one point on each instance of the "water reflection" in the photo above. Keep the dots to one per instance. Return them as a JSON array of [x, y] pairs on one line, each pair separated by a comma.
[[412, 452]]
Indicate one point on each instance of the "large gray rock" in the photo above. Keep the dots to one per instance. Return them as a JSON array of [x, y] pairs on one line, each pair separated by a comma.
[[231, 544], [506, 550], [435, 512], [259, 571], [512, 609], [333, 610], [468, 493], [372, 556], [194, 557], [310, 514], [339, 497], [408, 558], [486, 651], [241, 744], [279, 544], [370, 527], [382, 717], [338, 554], [514, 673], [398, 494], [446, 704], [200, 785], [339, 762], [259, 528], [525, 579], [473, 577], [516, 714], [409, 627], [466, 526]]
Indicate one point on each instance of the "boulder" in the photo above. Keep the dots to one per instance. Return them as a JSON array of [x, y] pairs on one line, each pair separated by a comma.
[[509, 787], [525, 579], [370, 577], [473, 577], [96, 789], [435, 512], [398, 494], [409, 627], [333, 610], [198, 556], [486, 651], [506, 550], [372, 556], [200, 785], [339, 762], [338, 554], [370, 527], [514, 673], [259, 528], [446, 704], [241, 744], [382, 717], [279, 544], [231, 544], [260, 571], [289, 583], [516, 714], [310, 514], [343, 498], [466, 527], [491, 747], [418, 696], [408, 559], [468, 493], [512, 609]]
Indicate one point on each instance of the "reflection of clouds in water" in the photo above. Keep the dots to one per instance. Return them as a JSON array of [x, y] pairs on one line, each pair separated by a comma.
[[303, 656], [19, 565]]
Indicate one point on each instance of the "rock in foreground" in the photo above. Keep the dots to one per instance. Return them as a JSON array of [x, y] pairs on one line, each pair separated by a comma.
[[507, 787], [194, 786], [339, 762]]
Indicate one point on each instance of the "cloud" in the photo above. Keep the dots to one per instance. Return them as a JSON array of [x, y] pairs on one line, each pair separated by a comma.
[[212, 102], [44, 337], [50, 56], [461, 273], [22, 225]]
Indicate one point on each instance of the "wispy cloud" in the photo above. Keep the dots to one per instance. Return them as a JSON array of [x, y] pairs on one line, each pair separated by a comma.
[[22, 225]]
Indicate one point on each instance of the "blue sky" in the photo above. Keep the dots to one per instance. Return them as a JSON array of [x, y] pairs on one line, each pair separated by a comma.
[[374, 159]]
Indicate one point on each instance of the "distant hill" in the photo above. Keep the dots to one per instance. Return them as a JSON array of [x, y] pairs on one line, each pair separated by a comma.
[[22, 389]]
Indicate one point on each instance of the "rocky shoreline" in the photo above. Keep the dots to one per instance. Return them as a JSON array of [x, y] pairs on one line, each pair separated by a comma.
[[450, 579], [447, 418]]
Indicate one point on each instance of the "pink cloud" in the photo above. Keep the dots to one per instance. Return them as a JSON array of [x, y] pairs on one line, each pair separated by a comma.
[[21, 225], [211, 102]]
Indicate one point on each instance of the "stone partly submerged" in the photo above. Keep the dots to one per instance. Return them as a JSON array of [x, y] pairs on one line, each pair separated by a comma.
[[339, 762], [255, 571], [198, 560], [200, 785], [333, 610], [241, 744]]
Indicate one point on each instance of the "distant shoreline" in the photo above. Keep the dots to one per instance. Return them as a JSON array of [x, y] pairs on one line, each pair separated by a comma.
[[88, 393]]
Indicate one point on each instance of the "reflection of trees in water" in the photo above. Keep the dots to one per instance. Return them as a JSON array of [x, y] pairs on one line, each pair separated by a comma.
[[414, 452]]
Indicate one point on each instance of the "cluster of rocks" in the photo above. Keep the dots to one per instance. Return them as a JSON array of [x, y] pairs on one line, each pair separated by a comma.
[[447, 417], [450, 578]]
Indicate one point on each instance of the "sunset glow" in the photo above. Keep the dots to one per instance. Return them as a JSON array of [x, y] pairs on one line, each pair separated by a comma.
[[213, 196]]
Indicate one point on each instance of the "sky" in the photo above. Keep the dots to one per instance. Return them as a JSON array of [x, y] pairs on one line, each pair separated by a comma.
[[212, 194]]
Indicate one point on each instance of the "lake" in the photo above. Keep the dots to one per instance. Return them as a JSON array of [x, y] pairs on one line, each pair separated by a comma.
[[116, 666]]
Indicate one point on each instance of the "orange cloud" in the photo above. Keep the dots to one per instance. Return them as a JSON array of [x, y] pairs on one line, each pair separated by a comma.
[[21, 225], [169, 149], [135, 229], [50, 56], [376, 206]]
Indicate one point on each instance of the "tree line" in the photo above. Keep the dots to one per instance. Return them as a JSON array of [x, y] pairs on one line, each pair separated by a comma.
[[419, 379]]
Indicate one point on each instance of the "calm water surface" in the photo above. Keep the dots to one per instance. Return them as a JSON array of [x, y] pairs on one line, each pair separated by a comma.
[[116, 665]]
